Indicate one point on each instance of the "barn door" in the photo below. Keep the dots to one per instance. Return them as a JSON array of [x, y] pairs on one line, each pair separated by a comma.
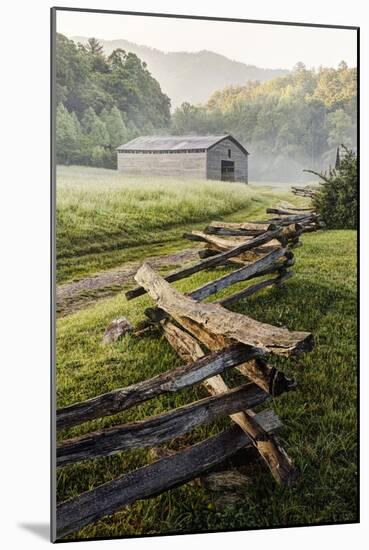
[[227, 170]]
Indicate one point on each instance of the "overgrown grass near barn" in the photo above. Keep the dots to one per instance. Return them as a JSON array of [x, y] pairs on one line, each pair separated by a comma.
[[320, 418], [105, 219]]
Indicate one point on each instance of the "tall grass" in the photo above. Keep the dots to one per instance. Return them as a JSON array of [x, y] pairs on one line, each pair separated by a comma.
[[99, 211], [94, 205]]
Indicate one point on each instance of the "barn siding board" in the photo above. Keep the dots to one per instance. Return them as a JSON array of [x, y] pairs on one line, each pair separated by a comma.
[[219, 152], [191, 165]]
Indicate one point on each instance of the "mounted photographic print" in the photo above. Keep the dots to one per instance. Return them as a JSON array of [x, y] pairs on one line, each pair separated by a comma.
[[205, 193]]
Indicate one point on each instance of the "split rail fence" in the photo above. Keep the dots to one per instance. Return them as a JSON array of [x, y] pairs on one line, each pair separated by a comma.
[[303, 192], [210, 339]]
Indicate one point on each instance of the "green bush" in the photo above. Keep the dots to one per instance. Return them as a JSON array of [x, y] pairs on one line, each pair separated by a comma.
[[336, 198]]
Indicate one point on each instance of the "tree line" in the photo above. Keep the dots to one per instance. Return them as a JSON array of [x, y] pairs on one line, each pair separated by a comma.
[[102, 102], [286, 123]]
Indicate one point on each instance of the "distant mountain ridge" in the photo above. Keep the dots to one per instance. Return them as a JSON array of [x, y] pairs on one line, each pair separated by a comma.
[[187, 76]]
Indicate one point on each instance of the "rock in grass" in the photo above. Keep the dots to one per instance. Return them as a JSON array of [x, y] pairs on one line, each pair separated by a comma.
[[116, 329], [225, 481], [227, 487], [227, 500]]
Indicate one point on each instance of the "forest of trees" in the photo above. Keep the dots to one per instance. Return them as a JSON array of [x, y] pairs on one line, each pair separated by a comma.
[[103, 102], [287, 123]]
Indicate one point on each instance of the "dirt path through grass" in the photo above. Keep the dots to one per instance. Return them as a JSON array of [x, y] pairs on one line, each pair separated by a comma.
[[107, 225], [71, 297]]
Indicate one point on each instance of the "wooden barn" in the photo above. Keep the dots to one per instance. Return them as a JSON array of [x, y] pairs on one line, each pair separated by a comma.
[[197, 157]]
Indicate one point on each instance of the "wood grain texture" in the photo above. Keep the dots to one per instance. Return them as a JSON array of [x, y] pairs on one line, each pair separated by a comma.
[[280, 266], [243, 274], [226, 243], [270, 450], [220, 321], [218, 244], [256, 369], [290, 212], [303, 191], [211, 262], [296, 218], [253, 289], [170, 381], [160, 428], [221, 242], [155, 478], [181, 165], [234, 228]]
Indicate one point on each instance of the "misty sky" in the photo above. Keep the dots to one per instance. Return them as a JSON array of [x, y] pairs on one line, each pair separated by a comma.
[[272, 46]]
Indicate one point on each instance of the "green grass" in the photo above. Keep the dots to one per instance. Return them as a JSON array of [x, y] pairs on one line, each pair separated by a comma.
[[320, 418], [105, 219]]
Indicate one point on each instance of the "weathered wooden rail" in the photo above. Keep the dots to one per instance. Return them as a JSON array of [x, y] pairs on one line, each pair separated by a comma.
[[155, 478], [210, 339], [303, 192]]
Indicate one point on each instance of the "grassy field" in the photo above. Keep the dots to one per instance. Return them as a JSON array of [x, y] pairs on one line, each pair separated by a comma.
[[320, 418], [104, 219]]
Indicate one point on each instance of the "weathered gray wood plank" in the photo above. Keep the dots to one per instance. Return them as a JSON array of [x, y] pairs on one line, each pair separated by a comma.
[[157, 314], [291, 212], [220, 244], [303, 191], [170, 381], [309, 228], [296, 218], [220, 321], [211, 262], [246, 228], [155, 478], [160, 428], [274, 456], [246, 292], [242, 274]]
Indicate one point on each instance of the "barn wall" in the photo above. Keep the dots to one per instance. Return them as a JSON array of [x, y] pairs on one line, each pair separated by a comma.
[[187, 165], [220, 152]]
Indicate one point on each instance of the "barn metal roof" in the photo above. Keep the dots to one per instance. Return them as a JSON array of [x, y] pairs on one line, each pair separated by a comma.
[[174, 143]]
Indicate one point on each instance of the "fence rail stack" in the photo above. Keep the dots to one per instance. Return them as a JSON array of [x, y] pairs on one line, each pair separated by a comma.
[[210, 339], [305, 192]]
